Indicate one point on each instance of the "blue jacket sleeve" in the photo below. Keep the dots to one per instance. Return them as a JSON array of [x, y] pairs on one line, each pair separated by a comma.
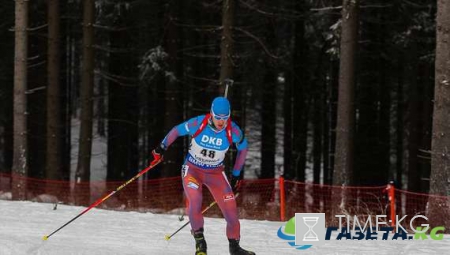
[[242, 147], [186, 128]]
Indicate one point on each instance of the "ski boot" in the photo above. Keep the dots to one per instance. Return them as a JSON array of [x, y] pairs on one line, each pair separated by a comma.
[[200, 243], [235, 248]]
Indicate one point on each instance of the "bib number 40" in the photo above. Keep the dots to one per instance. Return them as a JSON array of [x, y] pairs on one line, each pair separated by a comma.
[[208, 153]]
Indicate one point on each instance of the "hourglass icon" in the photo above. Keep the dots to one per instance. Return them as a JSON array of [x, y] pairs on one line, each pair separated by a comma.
[[310, 235]]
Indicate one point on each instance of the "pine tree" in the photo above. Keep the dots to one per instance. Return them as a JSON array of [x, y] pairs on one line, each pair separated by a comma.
[[20, 157], [83, 171], [54, 124], [440, 157], [345, 129]]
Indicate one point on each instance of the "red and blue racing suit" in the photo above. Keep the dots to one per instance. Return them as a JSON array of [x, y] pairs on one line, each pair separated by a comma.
[[204, 165]]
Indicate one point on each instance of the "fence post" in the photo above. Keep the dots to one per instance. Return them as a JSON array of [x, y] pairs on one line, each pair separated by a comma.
[[391, 193], [282, 199]]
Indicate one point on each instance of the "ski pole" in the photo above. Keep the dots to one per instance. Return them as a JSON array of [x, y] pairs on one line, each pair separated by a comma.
[[228, 83], [167, 237], [101, 200]]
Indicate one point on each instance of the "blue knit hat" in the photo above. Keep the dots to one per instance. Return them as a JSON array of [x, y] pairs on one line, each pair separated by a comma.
[[220, 106]]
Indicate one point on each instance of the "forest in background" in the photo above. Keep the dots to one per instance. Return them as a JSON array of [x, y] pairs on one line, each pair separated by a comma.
[[363, 85]]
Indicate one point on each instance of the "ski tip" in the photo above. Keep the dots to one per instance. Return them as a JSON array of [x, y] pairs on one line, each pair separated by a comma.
[[45, 238], [167, 237]]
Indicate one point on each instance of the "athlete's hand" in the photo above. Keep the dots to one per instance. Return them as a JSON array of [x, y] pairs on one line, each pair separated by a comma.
[[235, 183], [158, 153]]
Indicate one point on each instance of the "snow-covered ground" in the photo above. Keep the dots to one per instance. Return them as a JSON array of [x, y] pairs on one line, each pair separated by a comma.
[[23, 224]]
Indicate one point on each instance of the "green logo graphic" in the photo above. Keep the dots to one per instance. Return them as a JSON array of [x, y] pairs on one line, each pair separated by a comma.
[[289, 235]]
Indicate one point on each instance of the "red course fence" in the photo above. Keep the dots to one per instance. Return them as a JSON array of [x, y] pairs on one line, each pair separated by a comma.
[[267, 199]]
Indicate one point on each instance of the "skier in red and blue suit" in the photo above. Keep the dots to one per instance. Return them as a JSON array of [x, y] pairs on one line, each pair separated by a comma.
[[211, 137]]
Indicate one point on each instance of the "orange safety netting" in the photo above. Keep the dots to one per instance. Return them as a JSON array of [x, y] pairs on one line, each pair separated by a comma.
[[164, 195], [258, 199]]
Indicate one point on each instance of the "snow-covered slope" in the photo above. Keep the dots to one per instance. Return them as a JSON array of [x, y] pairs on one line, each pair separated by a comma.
[[23, 224]]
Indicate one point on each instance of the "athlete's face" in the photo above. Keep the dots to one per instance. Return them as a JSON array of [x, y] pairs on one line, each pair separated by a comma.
[[219, 123]]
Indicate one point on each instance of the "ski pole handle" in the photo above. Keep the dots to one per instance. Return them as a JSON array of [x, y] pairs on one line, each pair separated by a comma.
[[228, 83]]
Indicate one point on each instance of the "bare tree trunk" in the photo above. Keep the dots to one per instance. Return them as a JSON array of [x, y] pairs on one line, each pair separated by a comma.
[[440, 157], [53, 93], [400, 133], [71, 80], [122, 121], [86, 92], [173, 90], [412, 132], [328, 116], [268, 106], [318, 94], [334, 91], [300, 109], [343, 168], [20, 147], [287, 134], [268, 122], [226, 62], [226, 46], [6, 89]]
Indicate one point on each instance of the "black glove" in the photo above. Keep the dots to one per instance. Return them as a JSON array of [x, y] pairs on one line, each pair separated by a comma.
[[158, 153], [235, 183]]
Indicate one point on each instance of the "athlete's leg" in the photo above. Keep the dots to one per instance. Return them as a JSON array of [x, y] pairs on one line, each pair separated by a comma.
[[221, 190], [192, 184]]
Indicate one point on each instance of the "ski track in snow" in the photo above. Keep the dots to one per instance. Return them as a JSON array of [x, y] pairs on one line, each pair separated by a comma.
[[23, 224]]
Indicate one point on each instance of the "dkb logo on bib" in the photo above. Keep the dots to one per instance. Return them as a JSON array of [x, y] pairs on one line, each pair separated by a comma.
[[211, 140]]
